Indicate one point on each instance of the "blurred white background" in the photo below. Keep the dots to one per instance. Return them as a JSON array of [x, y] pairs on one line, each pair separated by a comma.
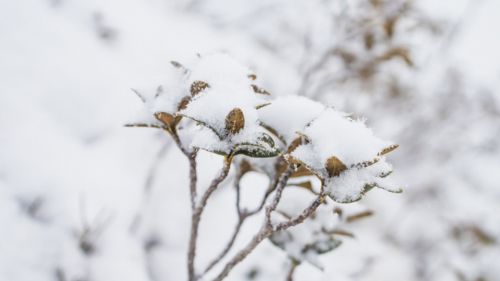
[[84, 199]]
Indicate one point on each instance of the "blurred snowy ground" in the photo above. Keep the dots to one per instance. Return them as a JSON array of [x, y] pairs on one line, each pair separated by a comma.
[[72, 178]]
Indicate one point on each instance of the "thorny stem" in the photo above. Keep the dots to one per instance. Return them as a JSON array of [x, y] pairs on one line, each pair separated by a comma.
[[198, 210]]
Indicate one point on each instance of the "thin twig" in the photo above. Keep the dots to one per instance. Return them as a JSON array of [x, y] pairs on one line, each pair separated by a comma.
[[150, 178], [193, 178], [277, 196], [293, 266], [228, 246], [264, 233], [191, 156], [304, 215], [242, 216], [195, 219], [268, 229]]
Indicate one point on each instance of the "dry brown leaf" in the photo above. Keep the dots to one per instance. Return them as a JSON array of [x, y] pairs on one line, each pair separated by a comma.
[[259, 90], [235, 121], [166, 118], [388, 149], [198, 86], [334, 166]]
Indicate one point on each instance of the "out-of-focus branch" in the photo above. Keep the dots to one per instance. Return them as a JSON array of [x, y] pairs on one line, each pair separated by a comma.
[[293, 266]]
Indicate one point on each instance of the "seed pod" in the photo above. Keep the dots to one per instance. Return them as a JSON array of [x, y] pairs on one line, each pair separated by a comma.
[[235, 121], [334, 166], [198, 86]]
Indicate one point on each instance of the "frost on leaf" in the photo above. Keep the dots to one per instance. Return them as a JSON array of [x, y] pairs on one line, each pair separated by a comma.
[[224, 104], [345, 155]]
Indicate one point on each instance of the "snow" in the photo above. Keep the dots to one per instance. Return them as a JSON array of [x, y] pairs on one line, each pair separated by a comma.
[[229, 89], [288, 115], [67, 161], [333, 134]]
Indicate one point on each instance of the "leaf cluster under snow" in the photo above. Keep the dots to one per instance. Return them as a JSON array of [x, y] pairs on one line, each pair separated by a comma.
[[231, 115], [345, 154]]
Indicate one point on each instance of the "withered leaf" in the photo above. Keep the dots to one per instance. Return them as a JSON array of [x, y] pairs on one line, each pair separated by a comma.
[[198, 86], [334, 166], [305, 184], [301, 171], [358, 216], [295, 143], [365, 164], [369, 40], [389, 26], [398, 52], [165, 118], [235, 121], [388, 149], [182, 105], [259, 90]]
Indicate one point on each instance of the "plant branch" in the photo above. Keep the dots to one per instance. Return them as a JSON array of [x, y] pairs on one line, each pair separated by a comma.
[[198, 210], [242, 216], [303, 216], [264, 233], [277, 195], [293, 266], [266, 230], [191, 156]]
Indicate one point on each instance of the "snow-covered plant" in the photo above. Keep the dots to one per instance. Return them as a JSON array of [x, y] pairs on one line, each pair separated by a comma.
[[215, 104]]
